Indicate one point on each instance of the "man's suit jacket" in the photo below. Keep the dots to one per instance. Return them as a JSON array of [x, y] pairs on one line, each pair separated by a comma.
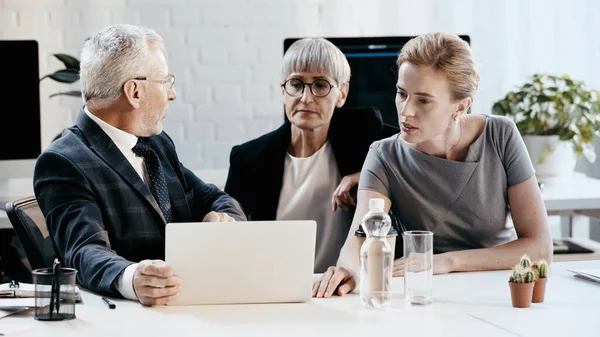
[[100, 214], [256, 167]]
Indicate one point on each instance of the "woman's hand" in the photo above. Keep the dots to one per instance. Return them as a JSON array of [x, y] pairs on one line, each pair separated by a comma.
[[441, 264], [342, 197]]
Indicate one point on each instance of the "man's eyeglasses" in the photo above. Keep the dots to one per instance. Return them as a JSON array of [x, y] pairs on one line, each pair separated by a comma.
[[295, 87], [170, 79]]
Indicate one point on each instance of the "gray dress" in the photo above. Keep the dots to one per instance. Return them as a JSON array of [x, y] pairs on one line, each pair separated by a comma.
[[465, 204]]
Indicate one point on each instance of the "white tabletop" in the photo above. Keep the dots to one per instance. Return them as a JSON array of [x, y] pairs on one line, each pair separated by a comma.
[[570, 193], [465, 304]]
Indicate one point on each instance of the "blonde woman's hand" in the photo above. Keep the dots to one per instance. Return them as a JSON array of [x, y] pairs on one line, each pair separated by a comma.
[[441, 264]]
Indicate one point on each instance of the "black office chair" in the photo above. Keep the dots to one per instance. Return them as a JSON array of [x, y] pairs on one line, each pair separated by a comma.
[[30, 225]]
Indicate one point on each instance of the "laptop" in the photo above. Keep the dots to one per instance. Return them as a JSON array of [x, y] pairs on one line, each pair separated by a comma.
[[242, 262]]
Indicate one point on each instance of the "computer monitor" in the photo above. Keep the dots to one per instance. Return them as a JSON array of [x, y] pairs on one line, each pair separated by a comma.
[[20, 133], [374, 71]]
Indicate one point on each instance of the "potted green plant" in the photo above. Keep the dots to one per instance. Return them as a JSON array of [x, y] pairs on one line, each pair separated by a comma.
[[557, 117], [521, 283], [70, 74], [540, 272]]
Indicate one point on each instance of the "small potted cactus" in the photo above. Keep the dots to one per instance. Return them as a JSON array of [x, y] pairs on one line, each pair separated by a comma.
[[540, 272], [521, 283], [525, 261]]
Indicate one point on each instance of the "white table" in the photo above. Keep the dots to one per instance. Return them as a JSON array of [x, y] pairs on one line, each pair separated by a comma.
[[570, 196], [465, 304], [573, 193]]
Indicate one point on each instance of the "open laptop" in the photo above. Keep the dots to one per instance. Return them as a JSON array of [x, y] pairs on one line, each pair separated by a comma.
[[242, 262]]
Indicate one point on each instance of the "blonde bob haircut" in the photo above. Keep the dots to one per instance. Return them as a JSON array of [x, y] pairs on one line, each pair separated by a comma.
[[316, 55]]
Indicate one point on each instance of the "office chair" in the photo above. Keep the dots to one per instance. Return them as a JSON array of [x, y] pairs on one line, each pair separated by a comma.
[[30, 225]]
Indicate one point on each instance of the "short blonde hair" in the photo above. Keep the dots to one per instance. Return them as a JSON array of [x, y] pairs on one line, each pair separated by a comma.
[[448, 54], [317, 55]]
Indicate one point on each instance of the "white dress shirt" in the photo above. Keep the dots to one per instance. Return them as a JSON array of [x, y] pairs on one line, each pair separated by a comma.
[[125, 142]]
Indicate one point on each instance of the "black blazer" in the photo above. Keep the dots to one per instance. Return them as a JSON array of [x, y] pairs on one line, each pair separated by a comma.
[[256, 167], [100, 214]]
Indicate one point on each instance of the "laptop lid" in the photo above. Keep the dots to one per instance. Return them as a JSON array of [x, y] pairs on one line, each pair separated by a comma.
[[242, 262]]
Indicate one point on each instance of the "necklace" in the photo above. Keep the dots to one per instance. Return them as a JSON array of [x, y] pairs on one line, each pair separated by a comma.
[[459, 138]]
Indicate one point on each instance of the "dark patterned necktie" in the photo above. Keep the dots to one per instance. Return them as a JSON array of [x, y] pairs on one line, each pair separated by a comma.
[[158, 183]]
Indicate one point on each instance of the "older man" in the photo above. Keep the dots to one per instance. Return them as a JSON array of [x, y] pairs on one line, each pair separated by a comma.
[[113, 180]]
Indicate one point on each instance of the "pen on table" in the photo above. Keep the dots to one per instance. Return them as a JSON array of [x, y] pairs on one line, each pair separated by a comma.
[[109, 303]]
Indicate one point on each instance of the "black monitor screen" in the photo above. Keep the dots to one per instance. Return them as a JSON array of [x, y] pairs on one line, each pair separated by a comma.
[[374, 71], [20, 98]]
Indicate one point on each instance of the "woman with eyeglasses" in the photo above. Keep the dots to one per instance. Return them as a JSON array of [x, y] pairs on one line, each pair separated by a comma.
[[309, 167]]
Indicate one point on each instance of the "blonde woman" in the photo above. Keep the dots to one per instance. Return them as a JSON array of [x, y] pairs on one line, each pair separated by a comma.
[[453, 173]]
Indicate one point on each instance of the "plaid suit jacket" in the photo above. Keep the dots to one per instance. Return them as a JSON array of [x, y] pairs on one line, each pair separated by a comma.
[[100, 214]]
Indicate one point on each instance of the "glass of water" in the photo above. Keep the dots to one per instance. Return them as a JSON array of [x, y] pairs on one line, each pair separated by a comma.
[[418, 267]]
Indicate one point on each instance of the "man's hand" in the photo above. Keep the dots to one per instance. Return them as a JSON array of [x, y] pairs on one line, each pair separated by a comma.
[[154, 283], [342, 198], [217, 217], [334, 278]]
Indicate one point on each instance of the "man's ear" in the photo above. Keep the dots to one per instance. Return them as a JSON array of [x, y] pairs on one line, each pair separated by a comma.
[[344, 88], [132, 90]]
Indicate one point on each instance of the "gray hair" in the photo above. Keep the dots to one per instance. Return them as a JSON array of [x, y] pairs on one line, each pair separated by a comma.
[[111, 57], [317, 55]]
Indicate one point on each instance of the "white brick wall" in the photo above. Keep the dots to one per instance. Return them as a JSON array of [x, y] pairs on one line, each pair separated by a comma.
[[226, 53]]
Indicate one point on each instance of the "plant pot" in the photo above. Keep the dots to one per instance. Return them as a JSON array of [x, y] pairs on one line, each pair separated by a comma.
[[521, 294], [539, 290], [550, 156]]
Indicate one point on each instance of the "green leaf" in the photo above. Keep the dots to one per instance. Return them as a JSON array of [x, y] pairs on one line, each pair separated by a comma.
[[589, 153], [543, 98], [554, 105], [64, 76], [68, 60], [67, 93], [498, 109]]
